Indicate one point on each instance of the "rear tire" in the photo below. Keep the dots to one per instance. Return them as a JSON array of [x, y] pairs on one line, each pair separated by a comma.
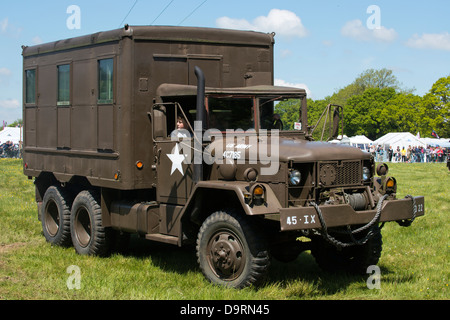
[[89, 237], [231, 252], [55, 217]]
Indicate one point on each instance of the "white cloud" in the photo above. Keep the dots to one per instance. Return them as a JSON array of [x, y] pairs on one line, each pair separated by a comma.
[[286, 53], [356, 30], [9, 104], [37, 40], [5, 72], [9, 29], [229, 23], [384, 34], [282, 22], [430, 41], [5, 76], [4, 25], [283, 83]]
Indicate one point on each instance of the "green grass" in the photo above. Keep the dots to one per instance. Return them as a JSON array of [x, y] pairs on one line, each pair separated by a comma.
[[414, 261]]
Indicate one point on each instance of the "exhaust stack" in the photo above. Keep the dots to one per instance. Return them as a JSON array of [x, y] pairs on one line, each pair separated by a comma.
[[200, 119]]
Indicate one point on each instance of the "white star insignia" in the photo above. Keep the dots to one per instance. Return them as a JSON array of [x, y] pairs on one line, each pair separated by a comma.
[[176, 159]]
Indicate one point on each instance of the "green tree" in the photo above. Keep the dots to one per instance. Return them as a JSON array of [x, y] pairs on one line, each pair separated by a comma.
[[18, 122], [402, 113], [289, 112], [381, 79], [437, 107], [441, 90], [369, 79], [366, 113], [375, 104]]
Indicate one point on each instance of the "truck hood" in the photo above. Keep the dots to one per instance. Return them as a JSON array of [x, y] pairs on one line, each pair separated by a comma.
[[306, 151], [289, 149]]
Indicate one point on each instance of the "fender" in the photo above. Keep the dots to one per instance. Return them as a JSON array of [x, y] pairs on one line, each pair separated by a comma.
[[239, 189]]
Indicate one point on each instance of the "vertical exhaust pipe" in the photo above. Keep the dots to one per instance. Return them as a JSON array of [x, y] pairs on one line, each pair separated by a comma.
[[199, 125], [200, 95]]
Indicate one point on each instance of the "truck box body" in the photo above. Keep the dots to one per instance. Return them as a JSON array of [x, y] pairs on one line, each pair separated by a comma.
[[87, 99]]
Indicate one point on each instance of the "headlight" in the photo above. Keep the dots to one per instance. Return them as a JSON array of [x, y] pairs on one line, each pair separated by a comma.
[[382, 169], [366, 174], [295, 177]]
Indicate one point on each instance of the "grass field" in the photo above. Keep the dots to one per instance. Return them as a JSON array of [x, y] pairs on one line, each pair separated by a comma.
[[414, 262]]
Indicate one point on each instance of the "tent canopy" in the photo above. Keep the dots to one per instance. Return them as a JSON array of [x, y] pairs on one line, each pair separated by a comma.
[[436, 142], [341, 140], [360, 140], [10, 134], [400, 139]]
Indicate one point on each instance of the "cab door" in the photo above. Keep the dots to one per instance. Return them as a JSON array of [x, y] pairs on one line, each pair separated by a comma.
[[173, 156]]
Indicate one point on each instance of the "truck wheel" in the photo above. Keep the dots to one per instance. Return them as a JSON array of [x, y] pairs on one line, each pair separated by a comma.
[[89, 237], [231, 252], [354, 259], [55, 216]]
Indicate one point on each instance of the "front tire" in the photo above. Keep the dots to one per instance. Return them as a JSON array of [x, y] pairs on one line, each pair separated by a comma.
[[231, 252], [89, 237]]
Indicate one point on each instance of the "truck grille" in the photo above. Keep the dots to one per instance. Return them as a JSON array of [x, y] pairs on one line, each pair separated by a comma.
[[339, 173]]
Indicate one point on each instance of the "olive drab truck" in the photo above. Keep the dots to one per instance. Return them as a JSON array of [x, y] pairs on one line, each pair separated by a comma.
[[108, 159]]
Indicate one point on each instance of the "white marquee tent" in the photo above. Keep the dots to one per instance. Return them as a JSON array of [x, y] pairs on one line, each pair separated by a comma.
[[340, 140], [361, 142], [11, 134], [436, 142], [400, 139]]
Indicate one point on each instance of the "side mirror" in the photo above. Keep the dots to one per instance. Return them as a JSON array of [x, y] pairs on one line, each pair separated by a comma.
[[338, 117]]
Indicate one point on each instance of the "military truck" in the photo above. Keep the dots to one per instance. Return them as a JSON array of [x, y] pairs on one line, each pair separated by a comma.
[[102, 142]]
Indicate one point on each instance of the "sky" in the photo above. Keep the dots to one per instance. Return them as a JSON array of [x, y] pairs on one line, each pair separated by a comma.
[[321, 45]]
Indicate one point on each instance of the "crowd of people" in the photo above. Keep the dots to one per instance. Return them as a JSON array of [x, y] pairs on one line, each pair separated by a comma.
[[410, 154], [9, 149]]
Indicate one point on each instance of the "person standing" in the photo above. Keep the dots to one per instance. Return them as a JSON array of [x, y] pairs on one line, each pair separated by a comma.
[[403, 152]]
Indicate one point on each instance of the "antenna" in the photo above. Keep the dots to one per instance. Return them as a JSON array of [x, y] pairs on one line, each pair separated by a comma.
[[161, 12], [120, 25], [190, 14]]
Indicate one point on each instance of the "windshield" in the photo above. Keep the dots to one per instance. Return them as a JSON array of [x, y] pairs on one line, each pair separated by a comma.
[[246, 113], [270, 119], [231, 113]]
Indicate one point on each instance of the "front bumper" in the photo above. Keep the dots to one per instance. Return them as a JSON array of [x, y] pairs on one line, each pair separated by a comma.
[[302, 218]]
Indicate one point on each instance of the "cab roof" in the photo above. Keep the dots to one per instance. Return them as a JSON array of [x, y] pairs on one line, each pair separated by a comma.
[[174, 90]]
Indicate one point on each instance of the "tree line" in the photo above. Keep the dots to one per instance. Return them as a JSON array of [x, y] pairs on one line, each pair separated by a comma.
[[375, 103]]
